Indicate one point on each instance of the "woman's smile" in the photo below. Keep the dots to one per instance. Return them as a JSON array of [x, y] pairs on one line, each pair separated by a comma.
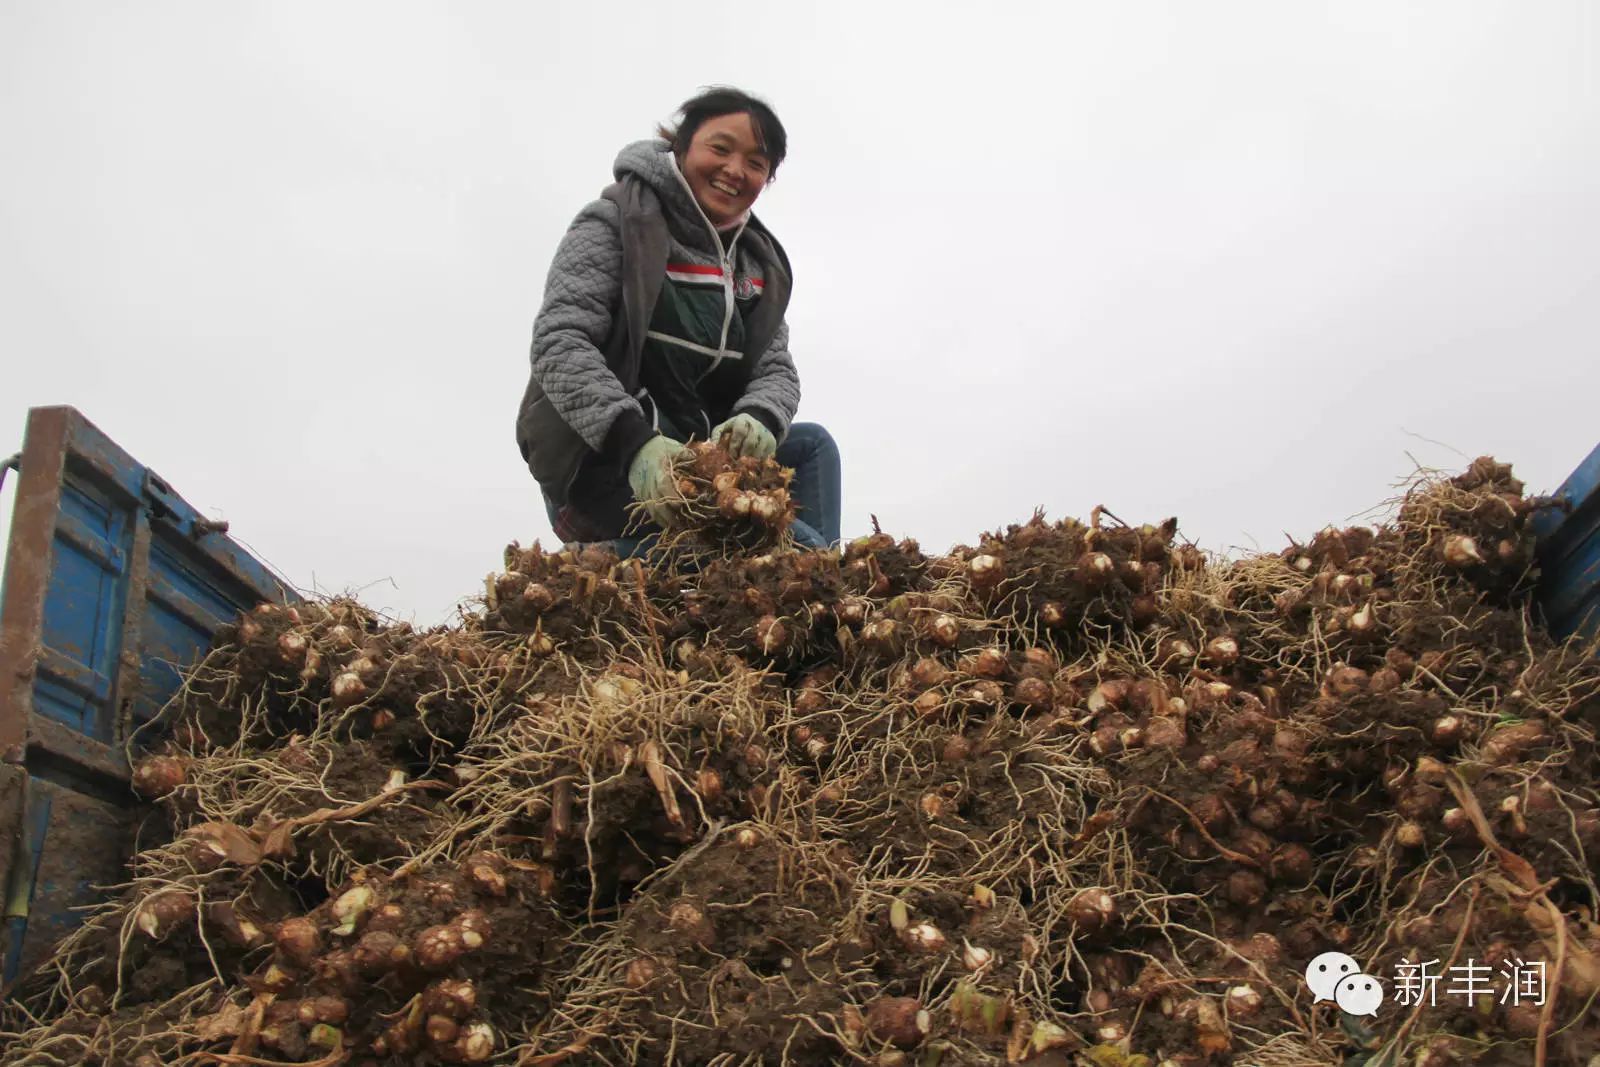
[[726, 167]]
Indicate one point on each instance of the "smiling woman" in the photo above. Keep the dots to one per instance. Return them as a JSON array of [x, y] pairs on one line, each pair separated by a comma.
[[662, 321], [727, 164]]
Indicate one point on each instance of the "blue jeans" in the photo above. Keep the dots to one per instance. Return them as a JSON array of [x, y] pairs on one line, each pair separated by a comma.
[[811, 451], [816, 491]]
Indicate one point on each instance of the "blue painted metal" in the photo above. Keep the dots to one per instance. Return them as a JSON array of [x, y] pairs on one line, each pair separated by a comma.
[[83, 609], [35, 827], [1569, 553], [113, 585]]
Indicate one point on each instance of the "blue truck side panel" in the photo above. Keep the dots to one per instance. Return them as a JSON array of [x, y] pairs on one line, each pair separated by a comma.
[[1569, 553], [113, 585], [184, 605], [82, 633]]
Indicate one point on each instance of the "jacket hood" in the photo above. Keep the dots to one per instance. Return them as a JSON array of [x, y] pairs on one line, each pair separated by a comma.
[[653, 162]]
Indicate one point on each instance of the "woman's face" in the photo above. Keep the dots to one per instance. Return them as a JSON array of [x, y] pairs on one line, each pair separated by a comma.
[[726, 167]]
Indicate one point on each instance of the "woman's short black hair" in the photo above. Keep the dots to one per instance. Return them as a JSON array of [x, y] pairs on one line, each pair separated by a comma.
[[721, 100]]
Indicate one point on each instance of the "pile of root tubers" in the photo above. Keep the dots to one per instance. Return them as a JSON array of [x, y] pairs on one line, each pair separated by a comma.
[[1077, 794]]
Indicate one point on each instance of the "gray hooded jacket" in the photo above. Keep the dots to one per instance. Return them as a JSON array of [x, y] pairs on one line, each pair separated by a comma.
[[652, 321]]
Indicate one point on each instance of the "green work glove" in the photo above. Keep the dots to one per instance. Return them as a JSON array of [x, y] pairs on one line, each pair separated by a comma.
[[652, 479], [749, 437]]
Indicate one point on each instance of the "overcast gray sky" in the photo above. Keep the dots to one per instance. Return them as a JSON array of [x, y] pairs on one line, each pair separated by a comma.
[[1231, 261]]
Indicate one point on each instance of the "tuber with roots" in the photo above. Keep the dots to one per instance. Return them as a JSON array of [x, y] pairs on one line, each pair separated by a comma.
[[899, 1021]]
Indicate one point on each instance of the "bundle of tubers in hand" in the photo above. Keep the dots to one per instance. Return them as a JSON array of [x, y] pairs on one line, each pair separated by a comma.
[[730, 504]]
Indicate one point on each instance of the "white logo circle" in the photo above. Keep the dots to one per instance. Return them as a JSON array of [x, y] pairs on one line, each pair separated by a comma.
[[1324, 972], [1358, 994]]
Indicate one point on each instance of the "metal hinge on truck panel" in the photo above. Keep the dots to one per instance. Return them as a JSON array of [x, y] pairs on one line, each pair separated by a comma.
[[166, 505]]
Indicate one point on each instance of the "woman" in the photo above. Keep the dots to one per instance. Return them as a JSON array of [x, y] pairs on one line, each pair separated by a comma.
[[663, 319]]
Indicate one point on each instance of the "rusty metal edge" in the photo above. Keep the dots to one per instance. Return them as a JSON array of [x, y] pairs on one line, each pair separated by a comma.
[[88, 448], [52, 744], [27, 575], [128, 678]]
